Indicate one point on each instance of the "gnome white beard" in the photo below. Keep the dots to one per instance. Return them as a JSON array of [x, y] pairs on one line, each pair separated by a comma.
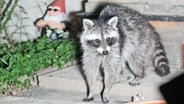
[[58, 18]]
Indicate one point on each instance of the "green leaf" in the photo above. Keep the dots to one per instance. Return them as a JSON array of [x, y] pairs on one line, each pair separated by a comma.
[[25, 58]]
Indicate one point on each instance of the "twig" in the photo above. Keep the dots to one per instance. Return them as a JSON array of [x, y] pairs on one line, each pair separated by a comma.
[[8, 16]]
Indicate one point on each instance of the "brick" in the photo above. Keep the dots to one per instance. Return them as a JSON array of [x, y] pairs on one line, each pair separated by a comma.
[[148, 9], [168, 26], [163, 2], [120, 1], [173, 2]]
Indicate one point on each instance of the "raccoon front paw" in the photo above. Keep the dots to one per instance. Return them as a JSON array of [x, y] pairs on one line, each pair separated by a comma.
[[105, 100], [88, 99], [100, 78]]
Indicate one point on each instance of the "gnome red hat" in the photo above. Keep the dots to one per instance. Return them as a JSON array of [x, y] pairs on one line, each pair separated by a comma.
[[59, 4]]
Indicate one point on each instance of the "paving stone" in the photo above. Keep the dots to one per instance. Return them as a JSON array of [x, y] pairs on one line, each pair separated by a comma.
[[72, 80]]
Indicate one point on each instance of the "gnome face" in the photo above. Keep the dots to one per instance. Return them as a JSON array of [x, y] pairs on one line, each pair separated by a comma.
[[56, 11], [54, 14], [53, 11]]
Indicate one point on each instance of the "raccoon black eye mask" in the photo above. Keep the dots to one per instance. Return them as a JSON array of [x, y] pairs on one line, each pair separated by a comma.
[[96, 43], [111, 41]]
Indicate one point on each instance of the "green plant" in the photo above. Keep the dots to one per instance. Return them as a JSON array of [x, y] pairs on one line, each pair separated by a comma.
[[20, 61]]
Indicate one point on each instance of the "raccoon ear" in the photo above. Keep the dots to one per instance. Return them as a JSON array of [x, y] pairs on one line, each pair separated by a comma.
[[88, 24], [113, 21]]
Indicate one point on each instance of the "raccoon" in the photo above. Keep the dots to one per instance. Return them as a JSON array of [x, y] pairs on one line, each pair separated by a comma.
[[120, 37]]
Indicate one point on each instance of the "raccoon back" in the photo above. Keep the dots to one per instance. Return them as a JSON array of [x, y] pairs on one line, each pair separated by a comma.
[[135, 29]]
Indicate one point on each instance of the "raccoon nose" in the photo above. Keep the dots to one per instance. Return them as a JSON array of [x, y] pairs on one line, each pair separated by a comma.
[[105, 52]]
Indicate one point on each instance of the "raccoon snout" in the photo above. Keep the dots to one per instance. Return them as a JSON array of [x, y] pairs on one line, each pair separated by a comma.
[[105, 52]]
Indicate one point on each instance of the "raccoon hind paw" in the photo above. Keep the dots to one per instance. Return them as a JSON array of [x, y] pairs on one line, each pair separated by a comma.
[[134, 83], [163, 70], [88, 99]]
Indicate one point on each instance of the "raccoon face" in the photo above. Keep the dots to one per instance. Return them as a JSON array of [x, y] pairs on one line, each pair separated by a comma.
[[103, 46], [100, 37]]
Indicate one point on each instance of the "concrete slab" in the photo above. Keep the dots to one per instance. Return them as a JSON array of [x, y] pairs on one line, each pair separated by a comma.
[[24, 100], [66, 79], [67, 86], [71, 79], [40, 95]]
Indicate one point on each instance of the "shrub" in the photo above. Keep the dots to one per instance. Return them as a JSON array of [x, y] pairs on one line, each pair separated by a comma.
[[20, 61]]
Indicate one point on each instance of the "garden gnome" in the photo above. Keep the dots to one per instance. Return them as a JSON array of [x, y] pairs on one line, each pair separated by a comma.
[[54, 21]]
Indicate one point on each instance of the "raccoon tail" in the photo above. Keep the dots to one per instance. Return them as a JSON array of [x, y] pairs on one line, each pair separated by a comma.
[[160, 59]]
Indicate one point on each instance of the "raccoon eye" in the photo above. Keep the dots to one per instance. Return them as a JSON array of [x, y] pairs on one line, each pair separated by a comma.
[[108, 39], [97, 41], [111, 41]]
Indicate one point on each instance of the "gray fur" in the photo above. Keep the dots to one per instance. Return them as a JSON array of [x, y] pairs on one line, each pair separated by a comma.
[[119, 37]]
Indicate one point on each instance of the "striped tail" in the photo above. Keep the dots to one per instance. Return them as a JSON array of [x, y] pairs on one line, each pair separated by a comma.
[[160, 59]]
